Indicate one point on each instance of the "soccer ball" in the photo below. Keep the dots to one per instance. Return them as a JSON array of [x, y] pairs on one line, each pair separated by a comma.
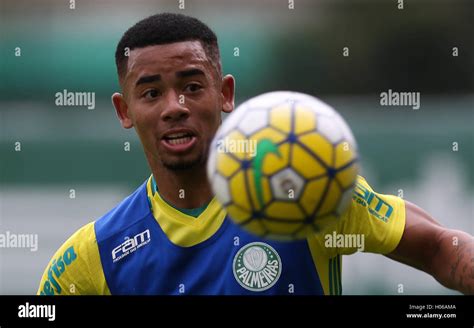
[[283, 165]]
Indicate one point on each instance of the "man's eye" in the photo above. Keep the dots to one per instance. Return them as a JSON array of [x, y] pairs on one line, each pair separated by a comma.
[[151, 94], [193, 87]]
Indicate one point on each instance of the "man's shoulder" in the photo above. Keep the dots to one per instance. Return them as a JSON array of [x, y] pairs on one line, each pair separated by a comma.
[[68, 272], [76, 266], [129, 211]]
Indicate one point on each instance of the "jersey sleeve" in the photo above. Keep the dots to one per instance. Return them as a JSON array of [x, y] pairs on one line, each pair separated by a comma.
[[75, 268], [374, 220]]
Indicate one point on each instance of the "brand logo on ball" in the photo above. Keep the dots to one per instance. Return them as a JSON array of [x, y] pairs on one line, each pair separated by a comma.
[[264, 147], [257, 266]]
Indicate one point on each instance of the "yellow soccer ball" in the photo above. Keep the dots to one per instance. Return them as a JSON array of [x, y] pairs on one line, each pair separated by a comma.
[[283, 165]]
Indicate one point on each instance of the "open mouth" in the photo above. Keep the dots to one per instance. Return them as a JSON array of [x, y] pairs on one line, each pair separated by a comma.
[[178, 138], [179, 141]]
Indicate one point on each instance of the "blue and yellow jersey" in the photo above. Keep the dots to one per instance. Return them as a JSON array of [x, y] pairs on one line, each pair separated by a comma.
[[146, 246]]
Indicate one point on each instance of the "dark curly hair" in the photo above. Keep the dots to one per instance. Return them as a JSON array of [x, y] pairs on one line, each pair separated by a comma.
[[163, 29]]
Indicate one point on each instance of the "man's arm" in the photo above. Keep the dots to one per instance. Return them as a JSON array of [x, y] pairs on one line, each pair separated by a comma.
[[75, 269], [446, 254]]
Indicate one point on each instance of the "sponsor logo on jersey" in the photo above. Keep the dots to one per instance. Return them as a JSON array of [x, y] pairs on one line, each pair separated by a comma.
[[130, 245], [56, 269], [376, 205], [257, 266]]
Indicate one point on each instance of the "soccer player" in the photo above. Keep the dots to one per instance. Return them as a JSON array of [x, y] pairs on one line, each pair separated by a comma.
[[172, 237]]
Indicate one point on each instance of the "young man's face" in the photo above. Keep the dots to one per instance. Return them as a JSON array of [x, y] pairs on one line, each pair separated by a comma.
[[174, 98]]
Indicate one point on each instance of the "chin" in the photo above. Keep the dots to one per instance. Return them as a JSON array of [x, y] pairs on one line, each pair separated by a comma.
[[183, 163]]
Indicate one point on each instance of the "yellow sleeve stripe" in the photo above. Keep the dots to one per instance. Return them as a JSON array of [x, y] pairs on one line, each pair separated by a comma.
[[76, 268], [331, 280], [320, 261], [335, 285], [96, 273]]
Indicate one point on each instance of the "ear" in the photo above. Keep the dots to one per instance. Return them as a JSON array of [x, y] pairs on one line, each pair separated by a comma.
[[121, 108], [228, 92]]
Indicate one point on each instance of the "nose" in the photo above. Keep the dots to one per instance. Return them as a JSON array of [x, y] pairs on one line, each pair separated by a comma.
[[174, 107]]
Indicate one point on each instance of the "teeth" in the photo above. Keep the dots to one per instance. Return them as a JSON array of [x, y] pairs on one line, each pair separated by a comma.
[[176, 135], [179, 141]]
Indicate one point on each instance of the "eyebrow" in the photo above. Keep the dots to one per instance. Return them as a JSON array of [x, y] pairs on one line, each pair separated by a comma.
[[190, 72], [157, 77], [148, 79]]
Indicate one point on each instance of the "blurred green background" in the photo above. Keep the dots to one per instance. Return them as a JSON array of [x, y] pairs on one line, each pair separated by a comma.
[[300, 49]]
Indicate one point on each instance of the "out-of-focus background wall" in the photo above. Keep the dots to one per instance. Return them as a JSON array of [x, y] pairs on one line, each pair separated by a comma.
[[61, 167]]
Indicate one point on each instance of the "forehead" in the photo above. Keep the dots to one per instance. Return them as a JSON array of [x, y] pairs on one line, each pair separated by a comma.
[[161, 59]]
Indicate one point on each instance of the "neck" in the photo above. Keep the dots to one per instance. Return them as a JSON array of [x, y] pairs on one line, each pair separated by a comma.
[[183, 188]]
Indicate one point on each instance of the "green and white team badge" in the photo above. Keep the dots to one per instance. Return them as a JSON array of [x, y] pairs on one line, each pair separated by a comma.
[[257, 266]]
